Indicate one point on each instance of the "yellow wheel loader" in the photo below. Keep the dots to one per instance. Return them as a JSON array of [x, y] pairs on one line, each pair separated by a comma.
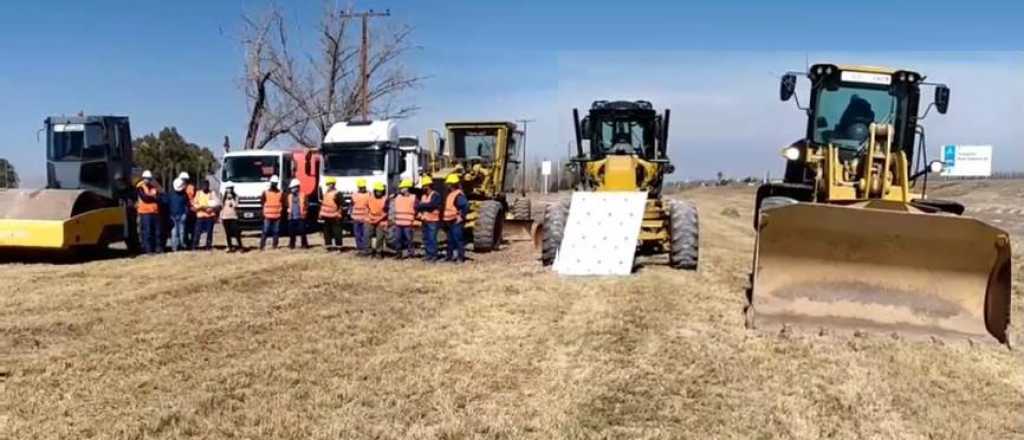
[[628, 152], [849, 239], [88, 201], [487, 157]]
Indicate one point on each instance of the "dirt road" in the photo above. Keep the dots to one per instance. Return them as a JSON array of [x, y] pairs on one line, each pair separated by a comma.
[[290, 344]]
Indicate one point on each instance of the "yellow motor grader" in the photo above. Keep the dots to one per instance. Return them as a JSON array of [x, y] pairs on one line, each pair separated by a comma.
[[849, 239], [487, 157], [628, 151]]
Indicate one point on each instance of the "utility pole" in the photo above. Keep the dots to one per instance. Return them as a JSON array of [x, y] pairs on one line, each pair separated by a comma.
[[525, 122], [364, 86]]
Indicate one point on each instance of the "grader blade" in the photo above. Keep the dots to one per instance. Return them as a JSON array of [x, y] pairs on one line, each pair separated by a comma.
[[892, 271], [518, 230]]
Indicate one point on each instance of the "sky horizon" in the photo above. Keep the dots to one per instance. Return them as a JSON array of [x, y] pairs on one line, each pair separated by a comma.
[[716, 66]]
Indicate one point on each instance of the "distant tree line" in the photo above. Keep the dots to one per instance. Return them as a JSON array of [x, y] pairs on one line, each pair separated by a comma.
[[8, 175], [168, 153]]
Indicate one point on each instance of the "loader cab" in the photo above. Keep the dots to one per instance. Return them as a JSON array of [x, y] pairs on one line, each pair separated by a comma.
[[846, 100], [623, 128], [89, 152]]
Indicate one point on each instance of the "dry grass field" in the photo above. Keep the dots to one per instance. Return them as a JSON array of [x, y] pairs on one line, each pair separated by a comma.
[[294, 345]]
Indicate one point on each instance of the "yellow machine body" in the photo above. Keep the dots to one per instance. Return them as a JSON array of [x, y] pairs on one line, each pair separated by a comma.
[[56, 220], [862, 255]]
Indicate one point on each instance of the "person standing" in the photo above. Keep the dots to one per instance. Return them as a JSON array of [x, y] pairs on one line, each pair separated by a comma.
[[428, 208], [190, 218], [377, 219], [297, 207], [148, 207], [456, 208], [273, 203], [360, 214], [178, 204], [405, 216], [206, 204], [229, 219], [330, 213]]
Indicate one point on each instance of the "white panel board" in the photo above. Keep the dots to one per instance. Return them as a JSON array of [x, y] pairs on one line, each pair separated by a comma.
[[601, 233], [967, 160]]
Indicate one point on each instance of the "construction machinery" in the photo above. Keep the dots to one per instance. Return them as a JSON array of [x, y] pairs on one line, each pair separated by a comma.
[[88, 201], [628, 152], [849, 239], [487, 157]]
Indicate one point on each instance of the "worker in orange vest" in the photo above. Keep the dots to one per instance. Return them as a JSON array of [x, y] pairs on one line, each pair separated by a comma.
[[297, 206], [456, 208], [377, 219], [359, 212], [190, 217], [148, 207], [405, 216], [428, 208], [273, 204], [206, 205], [330, 213]]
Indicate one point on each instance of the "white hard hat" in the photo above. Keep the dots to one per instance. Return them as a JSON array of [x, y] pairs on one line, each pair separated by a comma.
[[275, 179], [147, 174], [183, 176], [295, 183], [179, 184]]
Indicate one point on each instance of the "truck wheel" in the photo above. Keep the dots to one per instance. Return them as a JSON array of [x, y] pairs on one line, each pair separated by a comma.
[[487, 231], [684, 248], [553, 229], [521, 209]]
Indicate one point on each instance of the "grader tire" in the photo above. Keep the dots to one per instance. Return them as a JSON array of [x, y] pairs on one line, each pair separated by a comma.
[[553, 229], [684, 248], [488, 228], [521, 209]]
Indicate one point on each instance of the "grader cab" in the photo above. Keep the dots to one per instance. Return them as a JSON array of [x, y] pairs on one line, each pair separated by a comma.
[[850, 240]]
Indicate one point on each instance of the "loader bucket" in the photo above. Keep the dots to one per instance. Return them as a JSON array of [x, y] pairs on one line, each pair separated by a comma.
[[57, 219], [892, 271]]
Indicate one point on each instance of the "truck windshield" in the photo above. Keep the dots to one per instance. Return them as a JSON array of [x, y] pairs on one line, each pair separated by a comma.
[[842, 114], [243, 169], [476, 143], [352, 160]]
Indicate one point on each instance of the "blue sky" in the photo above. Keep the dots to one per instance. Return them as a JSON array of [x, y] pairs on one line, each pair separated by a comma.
[[714, 63]]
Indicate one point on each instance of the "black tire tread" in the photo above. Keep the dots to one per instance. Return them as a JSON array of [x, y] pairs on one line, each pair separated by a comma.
[[684, 248], [487, 230]]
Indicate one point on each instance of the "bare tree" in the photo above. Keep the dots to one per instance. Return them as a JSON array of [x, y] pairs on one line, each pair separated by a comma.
[[304, 95]]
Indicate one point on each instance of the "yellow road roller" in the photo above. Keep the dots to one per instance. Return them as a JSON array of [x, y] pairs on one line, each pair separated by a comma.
[[88, 201], [849, 240]]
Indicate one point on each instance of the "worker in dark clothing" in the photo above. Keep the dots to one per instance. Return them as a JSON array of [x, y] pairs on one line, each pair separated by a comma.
[[428, 208], [178, 204], [456, 208], [854, 122]]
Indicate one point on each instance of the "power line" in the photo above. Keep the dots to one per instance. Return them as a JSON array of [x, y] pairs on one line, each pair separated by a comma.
[[364, 74]]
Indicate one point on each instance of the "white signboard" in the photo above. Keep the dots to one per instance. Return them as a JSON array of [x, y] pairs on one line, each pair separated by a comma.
[[545, 168], [601, 233], [967, 160]]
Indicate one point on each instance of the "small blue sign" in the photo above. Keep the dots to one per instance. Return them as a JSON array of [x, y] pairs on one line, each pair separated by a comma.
[[949, 156]]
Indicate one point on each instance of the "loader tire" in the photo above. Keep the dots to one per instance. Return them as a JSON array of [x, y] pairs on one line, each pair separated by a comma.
[[772, 202], [684, 249], [553, 229], [521, 209], [488, 228]]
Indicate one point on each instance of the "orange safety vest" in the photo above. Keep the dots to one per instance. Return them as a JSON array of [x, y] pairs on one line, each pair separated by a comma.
[[360, 206], [329, 209], [202, 201], [451, 213], [376, 212], [147, 207], [303, 203], [190, 191], [272, 204], [405, 209], [429, 216]]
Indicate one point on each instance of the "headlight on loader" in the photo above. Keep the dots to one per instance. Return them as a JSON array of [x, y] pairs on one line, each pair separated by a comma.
[[791, 153]]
